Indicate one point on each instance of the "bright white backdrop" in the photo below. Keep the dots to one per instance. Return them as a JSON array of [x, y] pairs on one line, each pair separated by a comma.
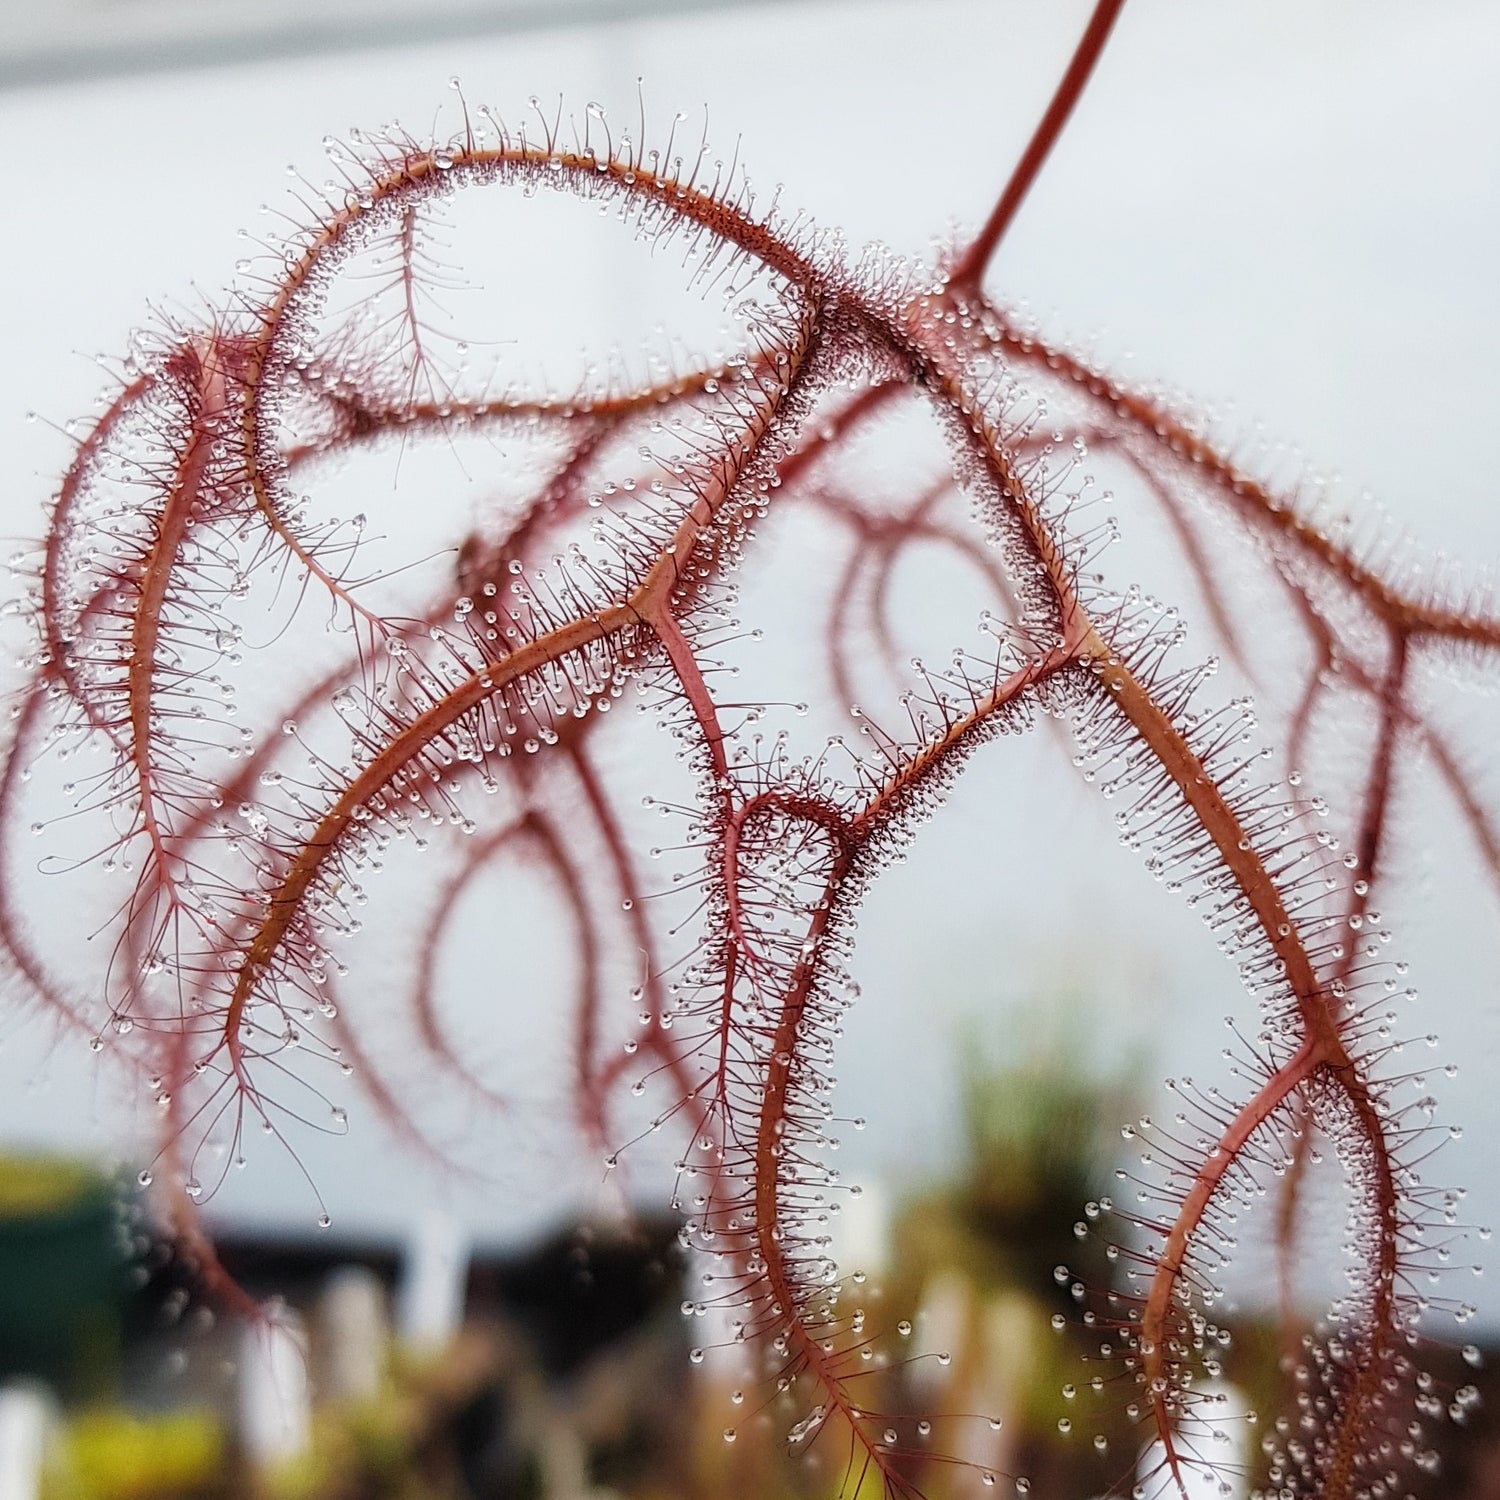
[[1293, 207]]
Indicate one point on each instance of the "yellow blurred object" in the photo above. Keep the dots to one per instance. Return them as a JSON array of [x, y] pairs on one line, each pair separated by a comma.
[[41, 1184], [110, 1454]]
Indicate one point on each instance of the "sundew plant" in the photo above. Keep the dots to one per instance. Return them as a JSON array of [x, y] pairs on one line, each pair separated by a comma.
[[297, 703]]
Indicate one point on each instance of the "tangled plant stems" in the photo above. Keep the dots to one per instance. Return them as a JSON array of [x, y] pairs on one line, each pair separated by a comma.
[[249, 706]]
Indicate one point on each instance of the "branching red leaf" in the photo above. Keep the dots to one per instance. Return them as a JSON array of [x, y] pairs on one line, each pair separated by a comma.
[[468, 709]]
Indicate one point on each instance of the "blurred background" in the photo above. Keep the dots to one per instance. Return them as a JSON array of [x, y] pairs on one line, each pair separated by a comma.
[[1291, 213]]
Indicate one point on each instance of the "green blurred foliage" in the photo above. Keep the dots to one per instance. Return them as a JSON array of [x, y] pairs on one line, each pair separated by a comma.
[[65, 1261]]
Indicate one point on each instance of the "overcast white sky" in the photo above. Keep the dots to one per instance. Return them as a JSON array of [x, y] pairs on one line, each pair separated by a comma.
[[1294, 208]]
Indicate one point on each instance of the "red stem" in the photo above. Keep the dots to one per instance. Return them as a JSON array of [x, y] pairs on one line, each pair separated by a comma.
[[969, 271]]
